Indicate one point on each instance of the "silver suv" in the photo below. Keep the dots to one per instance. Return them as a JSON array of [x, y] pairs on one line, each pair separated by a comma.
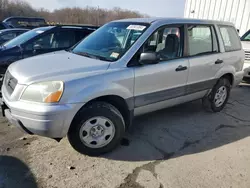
[[245, 40], [126, 68]]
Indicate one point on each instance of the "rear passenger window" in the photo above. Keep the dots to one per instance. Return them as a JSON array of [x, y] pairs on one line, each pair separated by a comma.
[[202, 40], [230, 38], [81, 34], [63, 39]]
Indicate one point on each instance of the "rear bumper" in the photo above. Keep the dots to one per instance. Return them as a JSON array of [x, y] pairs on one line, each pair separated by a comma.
[[246, 69]]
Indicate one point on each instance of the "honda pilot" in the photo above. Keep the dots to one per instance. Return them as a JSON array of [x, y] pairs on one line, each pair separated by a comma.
[[126, 68]]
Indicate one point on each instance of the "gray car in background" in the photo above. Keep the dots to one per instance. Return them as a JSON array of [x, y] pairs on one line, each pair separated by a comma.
[[126, 68], [9, 34]]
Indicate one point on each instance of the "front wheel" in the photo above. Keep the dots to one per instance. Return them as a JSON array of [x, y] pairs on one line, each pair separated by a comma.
[[218, 97], [97, 129]]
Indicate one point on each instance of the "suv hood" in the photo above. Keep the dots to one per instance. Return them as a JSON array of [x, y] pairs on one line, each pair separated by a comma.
[[246, 45], [44, 67]]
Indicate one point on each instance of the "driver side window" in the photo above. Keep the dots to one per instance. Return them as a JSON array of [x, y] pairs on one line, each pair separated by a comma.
[[166, 43], [54, 40]]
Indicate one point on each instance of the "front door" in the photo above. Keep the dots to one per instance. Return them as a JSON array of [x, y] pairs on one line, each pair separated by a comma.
[[156, 83]]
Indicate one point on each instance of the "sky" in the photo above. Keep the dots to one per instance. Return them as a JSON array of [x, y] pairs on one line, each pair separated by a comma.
[[158, 8]]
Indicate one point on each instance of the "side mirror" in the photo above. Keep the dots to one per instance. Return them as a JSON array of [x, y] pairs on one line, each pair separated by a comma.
[[148, 58], [37, 47]]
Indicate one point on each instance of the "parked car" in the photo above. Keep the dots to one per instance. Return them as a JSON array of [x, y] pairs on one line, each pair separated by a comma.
[[92, 92], [9, 34], [245, 40], [39, 41], [23, 22]]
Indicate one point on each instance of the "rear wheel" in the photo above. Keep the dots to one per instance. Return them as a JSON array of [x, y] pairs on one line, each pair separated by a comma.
[[218, 97], [96, 129]]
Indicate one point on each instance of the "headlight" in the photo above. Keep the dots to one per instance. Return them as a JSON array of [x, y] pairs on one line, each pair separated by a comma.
[[44, 92]]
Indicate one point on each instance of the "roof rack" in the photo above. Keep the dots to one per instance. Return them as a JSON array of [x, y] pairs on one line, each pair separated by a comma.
[[22, 17]]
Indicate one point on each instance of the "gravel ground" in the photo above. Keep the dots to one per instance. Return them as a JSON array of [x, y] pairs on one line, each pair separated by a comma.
[[183, 146]]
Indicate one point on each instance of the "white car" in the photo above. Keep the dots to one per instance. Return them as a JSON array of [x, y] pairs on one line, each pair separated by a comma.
[[245, 40]]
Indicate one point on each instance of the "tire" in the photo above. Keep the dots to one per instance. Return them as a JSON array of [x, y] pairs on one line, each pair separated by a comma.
[[210, 103], [96, 118]]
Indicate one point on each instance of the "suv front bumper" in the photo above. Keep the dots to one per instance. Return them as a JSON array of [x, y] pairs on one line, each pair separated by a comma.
[[45, 120], [246, 69]]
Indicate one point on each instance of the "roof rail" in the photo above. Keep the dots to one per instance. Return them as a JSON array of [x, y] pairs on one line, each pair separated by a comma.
[[73, 25], [22, 17]]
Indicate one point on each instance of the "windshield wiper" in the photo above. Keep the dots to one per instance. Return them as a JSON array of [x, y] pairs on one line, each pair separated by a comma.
[[102, 58], [83, 54], [92, 56]]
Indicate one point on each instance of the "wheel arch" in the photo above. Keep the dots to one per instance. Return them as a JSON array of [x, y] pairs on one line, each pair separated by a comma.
[[125, 106], [230, 77], [228, 72]]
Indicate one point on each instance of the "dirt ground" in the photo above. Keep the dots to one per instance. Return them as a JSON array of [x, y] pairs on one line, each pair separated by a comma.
[[183, 146]]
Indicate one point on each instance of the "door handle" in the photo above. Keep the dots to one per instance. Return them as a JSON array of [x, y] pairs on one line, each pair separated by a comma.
[[181, 68], [218, 61]]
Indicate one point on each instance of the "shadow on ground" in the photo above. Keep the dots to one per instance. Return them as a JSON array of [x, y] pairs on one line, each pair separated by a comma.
[[14, 173], [186, 129]]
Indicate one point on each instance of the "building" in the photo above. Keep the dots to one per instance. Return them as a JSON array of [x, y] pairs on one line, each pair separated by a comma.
[[236, 11]]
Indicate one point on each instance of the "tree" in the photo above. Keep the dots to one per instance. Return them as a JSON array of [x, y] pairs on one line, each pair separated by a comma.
[[86, 15]]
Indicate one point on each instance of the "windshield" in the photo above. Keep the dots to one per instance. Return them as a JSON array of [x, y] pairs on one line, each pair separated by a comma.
[[111, 41], [246, 36], [25, 37]]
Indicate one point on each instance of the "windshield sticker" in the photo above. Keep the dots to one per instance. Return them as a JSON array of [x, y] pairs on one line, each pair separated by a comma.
[[39, 32], [136, 27], [114, 55]]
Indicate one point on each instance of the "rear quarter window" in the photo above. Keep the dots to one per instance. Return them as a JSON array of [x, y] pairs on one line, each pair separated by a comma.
[[230, 38]]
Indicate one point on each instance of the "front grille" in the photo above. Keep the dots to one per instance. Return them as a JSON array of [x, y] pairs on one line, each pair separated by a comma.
[[10, 82], [247, 55]]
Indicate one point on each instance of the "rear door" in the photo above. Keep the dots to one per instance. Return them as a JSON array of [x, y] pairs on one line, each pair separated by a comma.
[[204, 59]]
